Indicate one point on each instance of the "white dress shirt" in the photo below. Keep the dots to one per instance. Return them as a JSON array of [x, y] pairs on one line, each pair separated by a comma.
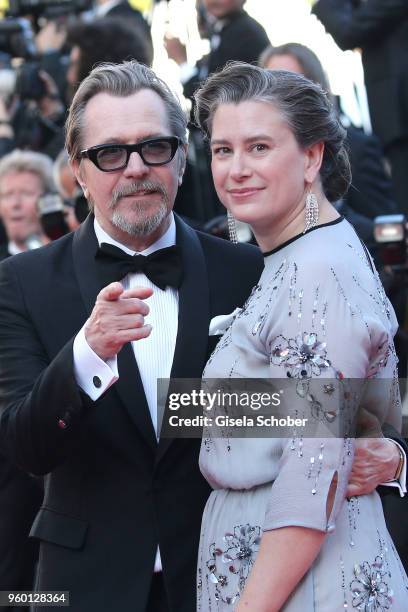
[[154, 354]]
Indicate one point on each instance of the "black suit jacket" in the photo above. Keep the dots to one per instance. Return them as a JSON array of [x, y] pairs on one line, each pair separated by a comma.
[[20, 499], [112, 494], [370, 193], [380, 29]]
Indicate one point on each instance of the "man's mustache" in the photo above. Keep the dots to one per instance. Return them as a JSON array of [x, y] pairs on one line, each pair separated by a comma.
[[135, 189]]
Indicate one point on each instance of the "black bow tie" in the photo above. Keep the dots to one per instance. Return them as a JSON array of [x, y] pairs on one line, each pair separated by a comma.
[[162, 267]]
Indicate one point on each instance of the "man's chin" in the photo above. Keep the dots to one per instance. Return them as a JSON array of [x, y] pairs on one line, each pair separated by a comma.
[[140, 225]]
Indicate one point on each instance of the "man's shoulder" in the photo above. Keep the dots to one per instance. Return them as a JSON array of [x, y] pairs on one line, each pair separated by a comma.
[[39, 260], [225, 254]]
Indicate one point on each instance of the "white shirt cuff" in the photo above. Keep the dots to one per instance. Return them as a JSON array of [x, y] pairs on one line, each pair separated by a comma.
[[401, 483], [93, 375]]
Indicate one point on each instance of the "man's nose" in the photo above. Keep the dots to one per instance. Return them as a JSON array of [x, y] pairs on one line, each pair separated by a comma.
[[135, 166]]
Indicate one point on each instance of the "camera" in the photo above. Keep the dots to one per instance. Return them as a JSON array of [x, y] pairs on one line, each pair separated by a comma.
[[17, 38], [390, 233], [52, 213]]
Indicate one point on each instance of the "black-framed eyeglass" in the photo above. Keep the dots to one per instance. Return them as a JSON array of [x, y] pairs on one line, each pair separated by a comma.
[[154, 152]]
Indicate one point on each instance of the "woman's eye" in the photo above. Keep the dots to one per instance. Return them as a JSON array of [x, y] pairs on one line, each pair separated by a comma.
[[221, 151], [259, 147]]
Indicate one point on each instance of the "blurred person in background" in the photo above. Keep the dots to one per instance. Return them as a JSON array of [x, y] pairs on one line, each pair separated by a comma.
[[24, 177], [31, 107], [104, 40], [380, 29], [122, 9], [233, 35], [370, 193], [33, 124]]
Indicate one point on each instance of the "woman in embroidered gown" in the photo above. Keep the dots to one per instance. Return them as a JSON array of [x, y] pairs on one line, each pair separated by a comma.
[[278, 532]]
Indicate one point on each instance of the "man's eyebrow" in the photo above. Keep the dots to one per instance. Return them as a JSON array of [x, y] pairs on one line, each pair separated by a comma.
[[119, 140], [247, 140]]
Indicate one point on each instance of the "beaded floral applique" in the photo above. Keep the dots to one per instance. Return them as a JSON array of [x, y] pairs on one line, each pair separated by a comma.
[[370, 588], [229, 568], [302, 357]]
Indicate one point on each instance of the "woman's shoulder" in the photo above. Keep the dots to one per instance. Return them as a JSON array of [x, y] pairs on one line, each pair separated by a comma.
[[325, 275], [330, 248]]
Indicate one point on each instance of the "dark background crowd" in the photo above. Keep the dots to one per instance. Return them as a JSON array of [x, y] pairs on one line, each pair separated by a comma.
[[48, 47]]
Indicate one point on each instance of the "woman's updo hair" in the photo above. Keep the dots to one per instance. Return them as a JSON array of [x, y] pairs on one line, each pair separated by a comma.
[[305, 106]]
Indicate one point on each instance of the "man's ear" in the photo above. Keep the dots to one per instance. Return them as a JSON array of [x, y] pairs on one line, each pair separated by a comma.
[[78, 173], [313, 161], [182, 162]]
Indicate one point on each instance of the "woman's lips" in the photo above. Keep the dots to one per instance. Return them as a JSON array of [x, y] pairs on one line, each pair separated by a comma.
[[244, 193]]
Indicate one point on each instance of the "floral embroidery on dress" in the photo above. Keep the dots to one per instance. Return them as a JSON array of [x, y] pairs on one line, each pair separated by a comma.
[[303, 356], [237, 560], [370, 589]]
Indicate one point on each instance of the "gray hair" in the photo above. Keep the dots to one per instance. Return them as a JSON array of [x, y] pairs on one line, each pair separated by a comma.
[[304, 105], [29, 161], [120, 80]]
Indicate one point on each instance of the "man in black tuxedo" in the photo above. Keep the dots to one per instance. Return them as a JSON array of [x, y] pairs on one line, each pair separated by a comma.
[[78, 362], [380, 29], [80, 353]]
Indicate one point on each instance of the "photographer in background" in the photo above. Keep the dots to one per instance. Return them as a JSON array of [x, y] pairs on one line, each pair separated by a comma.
[[31, 107], [24, 177]]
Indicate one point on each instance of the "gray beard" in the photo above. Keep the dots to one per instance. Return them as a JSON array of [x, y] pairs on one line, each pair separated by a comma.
[[145, 224]]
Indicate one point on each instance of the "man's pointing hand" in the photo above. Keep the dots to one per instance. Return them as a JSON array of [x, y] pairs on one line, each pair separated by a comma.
[[117, 318]]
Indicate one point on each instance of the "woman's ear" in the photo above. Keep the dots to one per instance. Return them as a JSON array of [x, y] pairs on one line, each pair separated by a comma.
[[313, 161]]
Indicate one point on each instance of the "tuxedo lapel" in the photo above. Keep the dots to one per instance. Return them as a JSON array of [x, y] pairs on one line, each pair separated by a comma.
[[129, 386], [194, 312]]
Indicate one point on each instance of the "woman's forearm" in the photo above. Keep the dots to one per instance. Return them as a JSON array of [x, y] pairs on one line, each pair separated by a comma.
[[284, 557]]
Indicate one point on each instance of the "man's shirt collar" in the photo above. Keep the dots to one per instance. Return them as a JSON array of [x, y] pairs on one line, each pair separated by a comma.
[[168, 239]]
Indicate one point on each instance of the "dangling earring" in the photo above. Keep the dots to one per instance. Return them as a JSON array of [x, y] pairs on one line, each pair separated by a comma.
[[232, 228], [311, 211]]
